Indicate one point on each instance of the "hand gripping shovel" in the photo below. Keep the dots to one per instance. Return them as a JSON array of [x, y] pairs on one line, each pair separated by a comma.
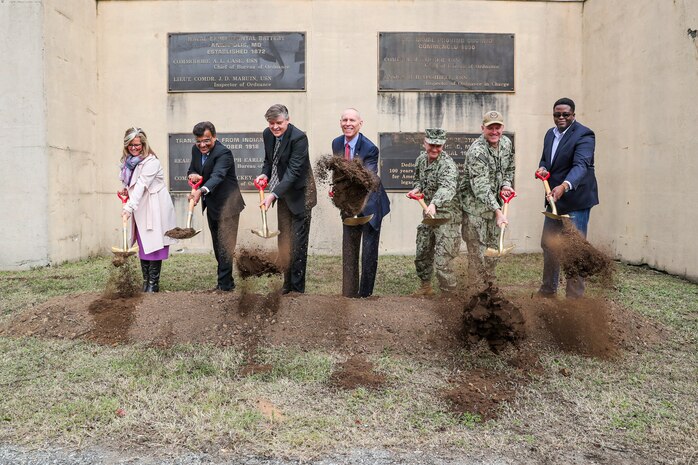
[[429, 220], [188, 232], [554, 214], [355, 220], [124, 251], [261, 184], [490, 252]]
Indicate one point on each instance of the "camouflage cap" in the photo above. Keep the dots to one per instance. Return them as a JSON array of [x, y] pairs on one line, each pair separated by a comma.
[[492, 117], [435, 136]]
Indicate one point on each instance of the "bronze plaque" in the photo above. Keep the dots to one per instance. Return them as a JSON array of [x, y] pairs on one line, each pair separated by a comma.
[[228, 61], [399, 151], [247, 148], [445, 61]]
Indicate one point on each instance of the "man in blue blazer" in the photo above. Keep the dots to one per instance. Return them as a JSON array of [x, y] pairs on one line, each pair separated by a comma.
[[568, 155], [221, 196], [352, 144]]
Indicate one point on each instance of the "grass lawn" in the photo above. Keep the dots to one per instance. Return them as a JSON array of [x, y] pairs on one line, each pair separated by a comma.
[[67, 393]]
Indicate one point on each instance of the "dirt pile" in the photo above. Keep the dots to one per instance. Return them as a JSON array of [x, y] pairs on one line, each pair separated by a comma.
[[578, 257], [181, 233], [350, 182], [479, 392], [489, 316], [256, 262], [356, 372]]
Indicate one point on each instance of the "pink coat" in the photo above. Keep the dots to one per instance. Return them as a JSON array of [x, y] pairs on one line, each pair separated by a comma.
[[150, 205]]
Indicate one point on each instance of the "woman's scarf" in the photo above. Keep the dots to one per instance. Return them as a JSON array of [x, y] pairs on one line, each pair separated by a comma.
[[127, 169]]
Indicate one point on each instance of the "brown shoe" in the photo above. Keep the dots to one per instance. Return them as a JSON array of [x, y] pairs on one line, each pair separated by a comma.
[[424, 290]]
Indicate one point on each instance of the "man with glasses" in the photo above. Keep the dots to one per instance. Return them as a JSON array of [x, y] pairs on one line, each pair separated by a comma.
[[220, 194], [568, 156], [291, 186]]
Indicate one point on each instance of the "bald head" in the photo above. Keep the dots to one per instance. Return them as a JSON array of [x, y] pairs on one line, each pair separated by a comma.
[[351, 123]]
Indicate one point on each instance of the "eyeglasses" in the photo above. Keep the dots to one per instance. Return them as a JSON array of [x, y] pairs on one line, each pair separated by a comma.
[[203, 142], [564, 115], [135, 146]]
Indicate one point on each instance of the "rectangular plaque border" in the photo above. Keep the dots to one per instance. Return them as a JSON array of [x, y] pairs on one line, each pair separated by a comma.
[[305, 57], [378, 35]]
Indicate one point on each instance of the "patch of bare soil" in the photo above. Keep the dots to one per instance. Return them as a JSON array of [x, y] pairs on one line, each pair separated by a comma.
[[350, 182], [356, 372]]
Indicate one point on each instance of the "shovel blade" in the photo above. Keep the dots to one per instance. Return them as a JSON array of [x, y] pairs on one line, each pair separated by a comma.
[[268, 235], [554, 216], [490, 252], [357, 220], [434, 221]]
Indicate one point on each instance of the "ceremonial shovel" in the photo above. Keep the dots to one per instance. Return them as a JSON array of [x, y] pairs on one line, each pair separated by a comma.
[[188, 232], [430, 220], [124, 251], [261, 184], [490, 252], [554, 214]]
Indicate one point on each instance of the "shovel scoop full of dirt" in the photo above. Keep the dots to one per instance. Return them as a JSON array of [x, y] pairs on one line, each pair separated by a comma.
[[181, 233], [351, 182], [256, 262]]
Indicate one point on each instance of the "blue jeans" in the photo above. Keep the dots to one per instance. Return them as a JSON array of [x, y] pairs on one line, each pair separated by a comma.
[[551, 266]]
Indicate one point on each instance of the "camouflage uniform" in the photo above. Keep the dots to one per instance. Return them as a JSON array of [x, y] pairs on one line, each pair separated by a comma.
[[438, 245], [486, 171]]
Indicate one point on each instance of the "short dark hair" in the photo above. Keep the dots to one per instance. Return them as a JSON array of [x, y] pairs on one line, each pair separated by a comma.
[[201, 127], [565, 101]]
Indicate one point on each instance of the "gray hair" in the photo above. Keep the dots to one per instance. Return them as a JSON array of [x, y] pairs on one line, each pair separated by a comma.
[[275, 111]]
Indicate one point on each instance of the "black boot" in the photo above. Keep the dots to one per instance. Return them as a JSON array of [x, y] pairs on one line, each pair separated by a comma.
[[154, 276], [145, 267]]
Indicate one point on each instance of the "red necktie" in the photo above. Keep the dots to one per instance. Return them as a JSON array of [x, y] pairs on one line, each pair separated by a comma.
[[347, 152]]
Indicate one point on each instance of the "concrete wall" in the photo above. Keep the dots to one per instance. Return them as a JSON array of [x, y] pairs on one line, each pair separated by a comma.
[[75, 197], [341, 71], [82, 71], [23, 136], [640, 88]]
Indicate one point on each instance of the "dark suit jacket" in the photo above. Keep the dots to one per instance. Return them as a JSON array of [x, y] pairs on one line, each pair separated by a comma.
[[219, 178], [296, 182], [574, 162], [378, 203]]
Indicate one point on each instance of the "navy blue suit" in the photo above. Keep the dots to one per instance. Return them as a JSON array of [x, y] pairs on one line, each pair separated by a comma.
[[223, 203], [366, 236], [573, 162]]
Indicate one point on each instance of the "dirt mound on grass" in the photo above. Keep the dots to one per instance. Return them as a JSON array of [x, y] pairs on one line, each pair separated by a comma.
[[356, 372]]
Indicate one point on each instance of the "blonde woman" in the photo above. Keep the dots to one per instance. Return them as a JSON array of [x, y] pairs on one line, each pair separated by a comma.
[[149, 205]]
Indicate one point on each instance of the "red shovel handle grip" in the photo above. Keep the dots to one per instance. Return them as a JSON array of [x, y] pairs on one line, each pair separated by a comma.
[[197, 184], [124, 198], [541, 177], [507, 195], [418, 196], [260, 184]]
